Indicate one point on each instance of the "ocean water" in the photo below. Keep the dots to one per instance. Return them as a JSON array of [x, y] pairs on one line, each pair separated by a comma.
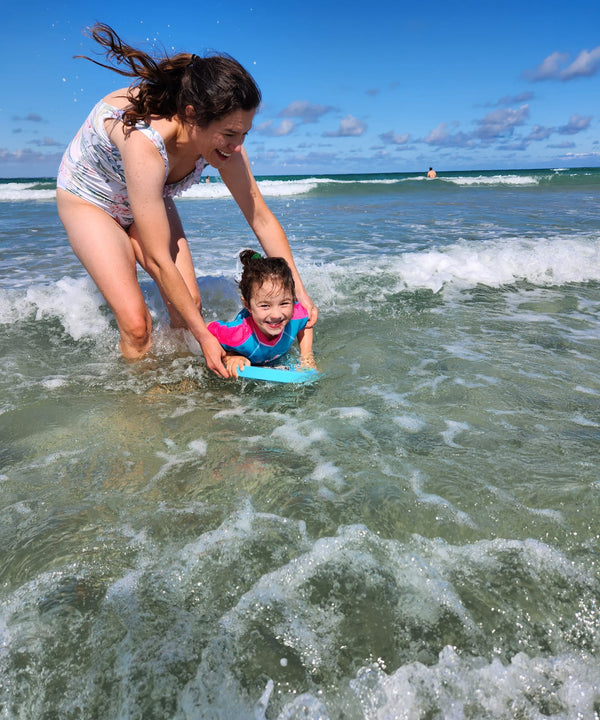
[[414, 536]]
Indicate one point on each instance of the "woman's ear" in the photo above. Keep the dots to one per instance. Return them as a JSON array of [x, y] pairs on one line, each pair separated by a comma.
[[190, 113]]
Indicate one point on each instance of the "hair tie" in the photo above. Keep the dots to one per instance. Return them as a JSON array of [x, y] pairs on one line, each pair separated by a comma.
[[193, 60], [256, 256]]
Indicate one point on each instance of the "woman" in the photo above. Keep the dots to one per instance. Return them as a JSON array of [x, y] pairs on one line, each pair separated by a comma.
[[138, 148]]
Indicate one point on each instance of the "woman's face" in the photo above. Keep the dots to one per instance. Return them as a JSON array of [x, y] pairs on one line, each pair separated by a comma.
[[222, 138]]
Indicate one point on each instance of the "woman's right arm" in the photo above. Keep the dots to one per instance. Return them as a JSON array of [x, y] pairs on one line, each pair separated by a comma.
[[145, 178]]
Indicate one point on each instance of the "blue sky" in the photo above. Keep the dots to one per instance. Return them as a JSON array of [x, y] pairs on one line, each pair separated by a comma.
[[389, 86]]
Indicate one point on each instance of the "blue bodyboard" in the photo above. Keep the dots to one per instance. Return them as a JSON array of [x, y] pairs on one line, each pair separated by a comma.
[[280, 375]]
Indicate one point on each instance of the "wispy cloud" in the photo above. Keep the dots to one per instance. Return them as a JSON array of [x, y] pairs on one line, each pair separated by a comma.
[[269, 128], [500, 127], [392, 138], [496, 125], [585, 64], [441, 137], [27, 157], [513, 99], [576, 124], [566, 144], [539, 132], [556, 66], [349, 127], [32, 117], [500, 123], [46, 142], [305, 111]]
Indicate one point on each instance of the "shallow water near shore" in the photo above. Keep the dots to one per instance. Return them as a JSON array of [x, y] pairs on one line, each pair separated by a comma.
[[415, 535]]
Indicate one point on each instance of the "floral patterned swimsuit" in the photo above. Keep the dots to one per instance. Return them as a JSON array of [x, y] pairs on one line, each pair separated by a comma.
[[92, 167]]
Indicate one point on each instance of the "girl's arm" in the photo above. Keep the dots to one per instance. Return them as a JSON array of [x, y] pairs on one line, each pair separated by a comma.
[[305, 340], [240, 181]]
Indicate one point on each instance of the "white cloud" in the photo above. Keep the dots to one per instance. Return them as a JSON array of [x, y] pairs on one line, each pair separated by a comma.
[[349, 127], [513, 99], [285, 127], [392, 138], [501, 122], [441, 137], [32, 117], [538, 132], [562, 145], [576, 124], [43, 163], [586, 64], [46, 142], [305, 111]]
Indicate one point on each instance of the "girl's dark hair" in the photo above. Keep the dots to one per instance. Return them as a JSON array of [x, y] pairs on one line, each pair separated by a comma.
[[214, 86], [257, 270]]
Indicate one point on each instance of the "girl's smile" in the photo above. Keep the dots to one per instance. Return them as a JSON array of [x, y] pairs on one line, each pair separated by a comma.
[[271, 307]]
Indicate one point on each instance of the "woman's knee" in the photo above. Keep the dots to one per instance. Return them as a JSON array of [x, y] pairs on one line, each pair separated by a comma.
[[136, 334]]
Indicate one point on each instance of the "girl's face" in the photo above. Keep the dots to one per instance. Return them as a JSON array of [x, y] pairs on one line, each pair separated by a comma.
[[271, 307]]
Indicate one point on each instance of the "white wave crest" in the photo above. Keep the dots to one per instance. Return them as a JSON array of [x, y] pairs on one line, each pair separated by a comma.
[[19, 191], [492, 180]]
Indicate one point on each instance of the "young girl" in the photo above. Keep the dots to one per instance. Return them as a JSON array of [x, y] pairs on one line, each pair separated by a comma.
[[140, 147], [271, 319]]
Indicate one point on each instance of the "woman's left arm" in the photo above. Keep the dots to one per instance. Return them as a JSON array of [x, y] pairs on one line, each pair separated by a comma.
[[238, 177]]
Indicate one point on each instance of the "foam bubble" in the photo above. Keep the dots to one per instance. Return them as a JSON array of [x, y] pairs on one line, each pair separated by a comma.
[[562, 687], [76, 302], [299, 436], [409, 423]]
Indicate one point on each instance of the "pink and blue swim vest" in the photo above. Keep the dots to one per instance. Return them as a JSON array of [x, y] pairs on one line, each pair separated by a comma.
[[241, 336]]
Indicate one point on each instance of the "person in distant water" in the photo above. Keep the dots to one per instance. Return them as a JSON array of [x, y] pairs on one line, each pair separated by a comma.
[[432, 173], [141, 146], [271, 319]]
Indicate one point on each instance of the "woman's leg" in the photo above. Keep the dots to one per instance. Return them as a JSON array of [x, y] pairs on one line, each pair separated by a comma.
[[105, 250]]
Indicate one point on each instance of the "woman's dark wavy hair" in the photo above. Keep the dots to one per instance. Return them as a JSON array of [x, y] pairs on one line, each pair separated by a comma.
[[214, 86], [257, 270]]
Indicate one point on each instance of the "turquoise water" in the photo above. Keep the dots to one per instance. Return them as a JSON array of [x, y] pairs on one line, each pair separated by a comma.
[[413, 536]]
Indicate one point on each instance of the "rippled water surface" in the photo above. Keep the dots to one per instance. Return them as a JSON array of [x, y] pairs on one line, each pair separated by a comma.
[[415, 535]]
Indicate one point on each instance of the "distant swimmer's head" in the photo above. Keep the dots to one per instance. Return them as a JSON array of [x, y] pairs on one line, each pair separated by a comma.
[[268, 291]]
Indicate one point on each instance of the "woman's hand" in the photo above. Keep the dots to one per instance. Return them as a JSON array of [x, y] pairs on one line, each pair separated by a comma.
[[214, 355], [311, 309]]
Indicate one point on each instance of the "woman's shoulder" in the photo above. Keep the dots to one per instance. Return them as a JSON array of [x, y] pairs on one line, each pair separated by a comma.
[[117, 99]]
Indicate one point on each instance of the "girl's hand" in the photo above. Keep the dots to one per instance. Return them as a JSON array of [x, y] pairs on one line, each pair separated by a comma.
[[235, 363], [307, 362]]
